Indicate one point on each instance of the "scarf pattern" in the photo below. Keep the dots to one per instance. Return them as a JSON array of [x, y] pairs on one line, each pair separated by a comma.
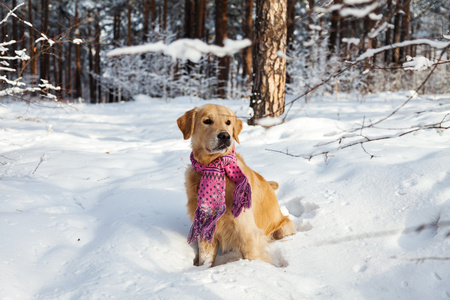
[[211, 194]]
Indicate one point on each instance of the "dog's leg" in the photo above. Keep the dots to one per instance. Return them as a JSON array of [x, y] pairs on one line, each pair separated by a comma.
[[252, 242], [255, 248], [206, 254]]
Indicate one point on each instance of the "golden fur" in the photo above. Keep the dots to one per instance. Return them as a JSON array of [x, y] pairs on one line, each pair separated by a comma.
[[253, 229]]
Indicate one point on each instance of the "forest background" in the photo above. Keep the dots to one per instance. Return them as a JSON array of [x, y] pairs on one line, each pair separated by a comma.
[[66, 42]]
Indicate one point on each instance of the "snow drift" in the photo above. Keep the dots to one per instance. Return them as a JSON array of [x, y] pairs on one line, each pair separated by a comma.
[[93, 204]]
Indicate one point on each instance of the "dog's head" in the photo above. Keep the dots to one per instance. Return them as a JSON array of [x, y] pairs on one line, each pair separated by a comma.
[[213, 129]]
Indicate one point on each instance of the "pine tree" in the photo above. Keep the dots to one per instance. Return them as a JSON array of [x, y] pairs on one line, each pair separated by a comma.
[[268, 93]]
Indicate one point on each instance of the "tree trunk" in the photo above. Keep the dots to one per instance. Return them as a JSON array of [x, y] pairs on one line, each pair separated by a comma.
[[165, 8], [78, 91], [3, 29], [200, 8], [397, 33], [188, 19], [388, 36], [369, 24], [60, 65], [91, 62], [406, 24], [69, 71], [33, 61], [44, 45], [290, 21], [146, 21], [153, 11], [14, 36], [129, 23], [221, 35], [268, 92], [247, 52], [98, 89], [335, 29], [116, 29]]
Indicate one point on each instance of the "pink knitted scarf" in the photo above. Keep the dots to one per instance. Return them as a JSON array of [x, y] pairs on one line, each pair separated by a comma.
[[211, 194]]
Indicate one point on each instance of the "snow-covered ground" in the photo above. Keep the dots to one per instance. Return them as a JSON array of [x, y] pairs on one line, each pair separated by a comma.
[[92, 203]]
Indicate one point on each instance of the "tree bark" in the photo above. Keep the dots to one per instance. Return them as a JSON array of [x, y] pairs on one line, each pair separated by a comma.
[[165, 8], [247, 52], [153, 11], [91, 61], [396, 35], [268, 93], [98, 89], [221, 35], [188, 19], [129, 23], [200, 8], [335, 29], [146, 21], [78, 91], [69, 71], [33, 61], [406, 24], [14, 36], [290, 21], [116, 28], [388, 36], [44, 67]]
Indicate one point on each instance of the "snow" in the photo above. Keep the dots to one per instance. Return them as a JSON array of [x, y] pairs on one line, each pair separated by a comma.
[[11, 13], [418, 63], [350, 41], [93, 202], [376, 30], [45, 38], [358, 12], [432, 43], [184, 49], [269, 121]]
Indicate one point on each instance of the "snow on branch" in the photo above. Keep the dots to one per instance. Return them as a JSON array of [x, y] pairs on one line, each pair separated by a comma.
[[11, 13], [16, 86], [435, 44], [418, 63], [45, 38], [184, 49], [358, 12], [350, 140]]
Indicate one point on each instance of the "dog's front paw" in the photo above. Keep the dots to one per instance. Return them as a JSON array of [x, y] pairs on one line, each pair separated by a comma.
[[197, 260]]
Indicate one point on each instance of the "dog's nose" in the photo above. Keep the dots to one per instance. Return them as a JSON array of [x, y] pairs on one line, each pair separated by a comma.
[[224, 136]]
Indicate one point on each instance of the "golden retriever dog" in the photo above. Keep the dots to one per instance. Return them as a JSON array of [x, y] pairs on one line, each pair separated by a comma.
[[213, 130]]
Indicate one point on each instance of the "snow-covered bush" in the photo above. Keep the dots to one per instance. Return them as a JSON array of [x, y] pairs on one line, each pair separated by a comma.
[[310, 66], [11, 82], [162, 68]]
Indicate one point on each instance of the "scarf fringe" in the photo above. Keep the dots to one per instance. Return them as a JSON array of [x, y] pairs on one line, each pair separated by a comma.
[[242, 197], [204, 225]]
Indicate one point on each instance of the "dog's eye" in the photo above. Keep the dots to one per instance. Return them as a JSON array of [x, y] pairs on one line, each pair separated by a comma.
[[208, 122], [228, 122]]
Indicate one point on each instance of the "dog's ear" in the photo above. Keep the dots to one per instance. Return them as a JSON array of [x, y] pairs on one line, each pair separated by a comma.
[[186, 123], [237, 129]]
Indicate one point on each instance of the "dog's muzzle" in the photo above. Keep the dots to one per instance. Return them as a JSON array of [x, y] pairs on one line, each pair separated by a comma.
[[224, 139]]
